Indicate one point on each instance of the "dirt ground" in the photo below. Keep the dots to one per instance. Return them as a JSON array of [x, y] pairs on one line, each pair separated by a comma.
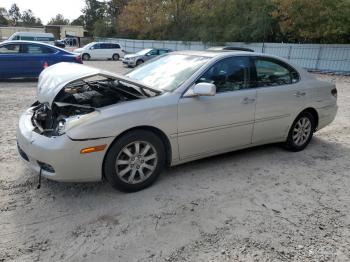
[[261, 204]]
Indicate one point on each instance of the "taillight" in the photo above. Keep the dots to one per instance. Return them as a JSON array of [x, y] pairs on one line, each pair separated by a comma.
[[78, 59], [334, 92]]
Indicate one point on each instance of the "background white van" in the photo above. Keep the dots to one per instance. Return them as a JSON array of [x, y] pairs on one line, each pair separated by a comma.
[[34, 36], [101, 50]]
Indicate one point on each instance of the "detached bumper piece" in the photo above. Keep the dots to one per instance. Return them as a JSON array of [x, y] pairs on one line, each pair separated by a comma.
[[46, 167]]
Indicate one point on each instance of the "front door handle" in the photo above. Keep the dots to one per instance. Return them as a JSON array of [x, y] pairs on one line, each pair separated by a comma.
[[299, 94], [248, 100]]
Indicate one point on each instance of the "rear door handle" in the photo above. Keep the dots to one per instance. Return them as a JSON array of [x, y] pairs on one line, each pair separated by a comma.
[[299, 94], [248, 100]]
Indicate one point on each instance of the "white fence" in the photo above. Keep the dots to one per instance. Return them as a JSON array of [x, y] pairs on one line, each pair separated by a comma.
[[319, 57]]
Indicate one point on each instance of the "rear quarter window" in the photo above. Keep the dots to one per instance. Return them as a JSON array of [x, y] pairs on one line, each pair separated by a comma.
[[115, 46]]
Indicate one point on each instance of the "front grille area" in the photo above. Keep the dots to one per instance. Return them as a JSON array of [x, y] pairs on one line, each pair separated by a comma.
[[22, 153], [46, 167]]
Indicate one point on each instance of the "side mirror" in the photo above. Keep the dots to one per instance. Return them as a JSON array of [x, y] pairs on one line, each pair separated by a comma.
[[201, 89]]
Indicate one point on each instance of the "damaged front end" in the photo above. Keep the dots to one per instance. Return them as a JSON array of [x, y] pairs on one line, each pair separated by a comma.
[[80, 100], [69, 94]]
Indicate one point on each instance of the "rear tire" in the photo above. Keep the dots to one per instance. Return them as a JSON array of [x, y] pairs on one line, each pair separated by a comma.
[[301, 132], [115, 57], [85, 57], [134, 161]]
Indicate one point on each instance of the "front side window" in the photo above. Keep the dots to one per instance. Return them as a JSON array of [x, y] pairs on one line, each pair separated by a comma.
[[274, 73], [96, 46], [168, 72], [153, 52], [229, 74], [10, 49]]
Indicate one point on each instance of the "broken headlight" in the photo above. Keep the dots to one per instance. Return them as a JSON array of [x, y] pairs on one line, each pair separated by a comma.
[[68, 123]]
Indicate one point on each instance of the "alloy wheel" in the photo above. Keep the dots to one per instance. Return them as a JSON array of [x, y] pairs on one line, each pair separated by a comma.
[[136, 162], [301, 131]]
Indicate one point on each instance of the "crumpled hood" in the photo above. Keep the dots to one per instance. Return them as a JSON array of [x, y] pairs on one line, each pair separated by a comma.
[[56, 77]]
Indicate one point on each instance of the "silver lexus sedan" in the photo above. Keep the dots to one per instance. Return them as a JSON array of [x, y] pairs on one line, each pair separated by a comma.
[[89, 124]]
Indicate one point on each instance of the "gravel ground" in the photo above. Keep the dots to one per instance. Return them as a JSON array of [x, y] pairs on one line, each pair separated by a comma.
[[258, 204]]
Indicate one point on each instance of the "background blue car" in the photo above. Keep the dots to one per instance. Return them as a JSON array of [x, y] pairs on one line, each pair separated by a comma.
[[28, 59]]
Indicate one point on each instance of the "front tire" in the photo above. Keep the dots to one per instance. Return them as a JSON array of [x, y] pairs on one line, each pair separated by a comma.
[[85, 57], [301, 132], [134, 161], [139, 62]]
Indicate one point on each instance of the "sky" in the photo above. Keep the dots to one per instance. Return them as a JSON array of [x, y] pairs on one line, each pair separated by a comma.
[[46, 9]]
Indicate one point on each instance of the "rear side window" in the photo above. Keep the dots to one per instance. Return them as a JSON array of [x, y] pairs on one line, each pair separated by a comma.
[[37, 49], [272, 72], [105, 46], [9, 49], [162, 51], [115, 46], [229, 74]]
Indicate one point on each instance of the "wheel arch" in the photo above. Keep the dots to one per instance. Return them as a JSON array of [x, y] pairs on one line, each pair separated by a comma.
[[85, 53], [313, 112], [153, 129]]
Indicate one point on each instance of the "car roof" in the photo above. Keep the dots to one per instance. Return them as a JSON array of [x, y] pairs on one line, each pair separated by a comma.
[[26, 42], [33, 33], [32, 42], [216, 53]]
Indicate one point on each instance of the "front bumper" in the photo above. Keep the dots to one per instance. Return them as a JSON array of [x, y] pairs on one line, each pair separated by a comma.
[[129, 62], [59, 157]]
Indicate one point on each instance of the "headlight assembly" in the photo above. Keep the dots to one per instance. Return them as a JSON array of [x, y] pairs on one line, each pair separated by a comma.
[[68, 123]]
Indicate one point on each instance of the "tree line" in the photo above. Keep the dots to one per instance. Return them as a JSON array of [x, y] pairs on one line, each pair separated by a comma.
[[215, 21]]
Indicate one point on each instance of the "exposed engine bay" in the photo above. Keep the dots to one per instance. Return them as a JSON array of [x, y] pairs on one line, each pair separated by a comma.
[[80, 99]]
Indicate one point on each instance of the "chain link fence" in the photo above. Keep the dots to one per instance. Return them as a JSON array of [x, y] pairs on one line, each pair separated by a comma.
[[315, 57]]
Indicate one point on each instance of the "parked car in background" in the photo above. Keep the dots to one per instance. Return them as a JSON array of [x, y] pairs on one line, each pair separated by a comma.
[[144, 55], [70, 41], [60, 43], [90, 124], [28, 59], [33, 36], [229, 48], [101, 50]]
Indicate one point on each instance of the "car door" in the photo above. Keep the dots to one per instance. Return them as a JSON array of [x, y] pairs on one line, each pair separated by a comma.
[[10, 60], [36, 58], [96, 52], [280, 95], [115, 49], [210, 124], [106, 51]]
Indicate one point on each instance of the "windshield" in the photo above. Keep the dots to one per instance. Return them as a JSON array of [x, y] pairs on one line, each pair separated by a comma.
[[88, 45], [168, 72], [143, 52]]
